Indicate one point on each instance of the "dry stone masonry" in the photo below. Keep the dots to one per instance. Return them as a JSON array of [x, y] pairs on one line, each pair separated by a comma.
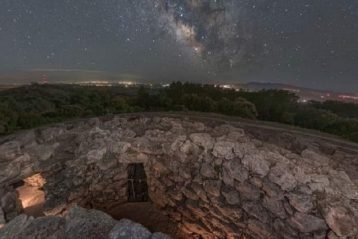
[[215, 178]]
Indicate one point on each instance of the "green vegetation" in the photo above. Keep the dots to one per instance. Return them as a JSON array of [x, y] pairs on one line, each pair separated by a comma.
[[35, 105]]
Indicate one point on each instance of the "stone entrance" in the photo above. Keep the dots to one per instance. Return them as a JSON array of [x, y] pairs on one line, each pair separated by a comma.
[[137, 183]]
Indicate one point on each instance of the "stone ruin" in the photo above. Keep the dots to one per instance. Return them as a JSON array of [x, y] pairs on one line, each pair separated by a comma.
[[214, 178]]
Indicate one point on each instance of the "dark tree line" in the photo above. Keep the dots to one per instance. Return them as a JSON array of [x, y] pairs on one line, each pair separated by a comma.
[[35, 105]]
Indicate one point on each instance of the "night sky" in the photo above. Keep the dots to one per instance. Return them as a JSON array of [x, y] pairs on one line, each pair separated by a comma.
[[311, 43]]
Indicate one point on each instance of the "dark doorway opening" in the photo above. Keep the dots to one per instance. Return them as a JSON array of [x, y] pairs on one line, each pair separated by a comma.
[[137, 183]]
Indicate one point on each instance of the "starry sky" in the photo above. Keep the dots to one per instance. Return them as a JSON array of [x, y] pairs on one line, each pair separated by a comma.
[[310, 43]]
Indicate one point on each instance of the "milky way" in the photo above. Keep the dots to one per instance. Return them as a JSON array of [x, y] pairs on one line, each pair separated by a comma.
[[220, 31], [311, 43]]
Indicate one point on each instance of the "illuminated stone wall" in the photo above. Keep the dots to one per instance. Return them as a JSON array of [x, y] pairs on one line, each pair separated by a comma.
[[215, 179]]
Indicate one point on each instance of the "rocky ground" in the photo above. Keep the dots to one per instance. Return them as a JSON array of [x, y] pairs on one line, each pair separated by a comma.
[[150, 216], [79, 223], [212, 178]]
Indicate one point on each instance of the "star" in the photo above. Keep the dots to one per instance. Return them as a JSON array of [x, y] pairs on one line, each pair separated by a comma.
[[285, 41]]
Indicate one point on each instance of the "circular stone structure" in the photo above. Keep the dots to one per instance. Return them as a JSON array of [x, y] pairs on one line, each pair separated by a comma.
[[216, 177]]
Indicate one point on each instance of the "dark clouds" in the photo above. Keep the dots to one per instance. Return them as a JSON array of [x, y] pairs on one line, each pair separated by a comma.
[[308, 42]]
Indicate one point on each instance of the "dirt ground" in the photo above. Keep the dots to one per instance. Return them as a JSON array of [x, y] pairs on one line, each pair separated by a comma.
[[149, 216]]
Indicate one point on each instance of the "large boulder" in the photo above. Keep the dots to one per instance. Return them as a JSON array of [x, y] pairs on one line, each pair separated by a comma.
[[44, 227], [15, 227], [77, 224], [126, 229], [88, 224]]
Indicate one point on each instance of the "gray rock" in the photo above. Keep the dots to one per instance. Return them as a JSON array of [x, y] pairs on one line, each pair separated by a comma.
[[199, 190], [318, 182], [257, 164], [340, 221], [231, 195], [79, 223], [51, 133], [15, 227], [43, 152], [285, 230], [159, 235], [190, 194], [242, 149], [208, 171], [203, 139], [332, 235], [257, 211], [271, 189], [256, 181], [314, 157], [307, 223], [11, 205], [288, 208], [281, 175], [300, 202], [126, 229], [248, 191], [160, 168], [260, 229], [223, 149], [187, 148], [235, 134], [213, 187], [341, 182], [2, 218], [96, 155], [9, 150], [120, 147], [88, 224], [275, 206], [10, 171], [43, 228], [107, 162], [232, 169], [327, 148]]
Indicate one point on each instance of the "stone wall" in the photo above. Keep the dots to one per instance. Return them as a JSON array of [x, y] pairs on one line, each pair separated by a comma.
[[216, 179]]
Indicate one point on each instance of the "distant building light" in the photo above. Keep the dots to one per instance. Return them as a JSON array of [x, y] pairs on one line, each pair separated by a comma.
[[226, 86], [292, 90], [348, 97], [304, 101], [126, 83]]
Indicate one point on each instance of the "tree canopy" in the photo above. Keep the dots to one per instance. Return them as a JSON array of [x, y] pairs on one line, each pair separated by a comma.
[[31, 106]]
